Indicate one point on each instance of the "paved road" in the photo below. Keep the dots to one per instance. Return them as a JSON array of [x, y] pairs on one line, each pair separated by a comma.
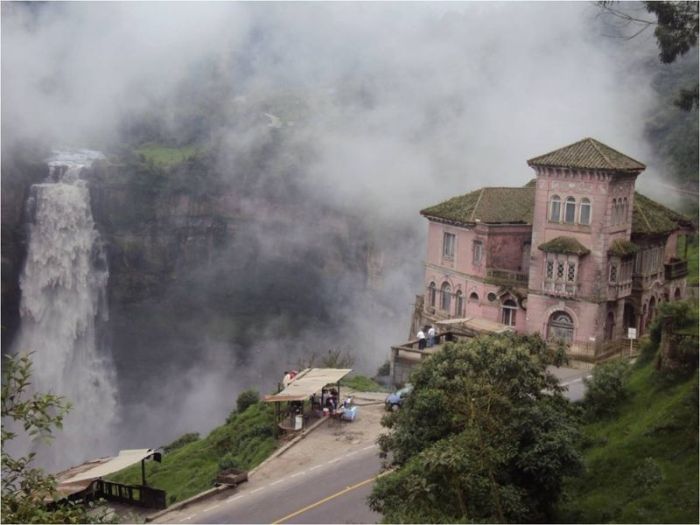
[[331, 492], [334, 492]]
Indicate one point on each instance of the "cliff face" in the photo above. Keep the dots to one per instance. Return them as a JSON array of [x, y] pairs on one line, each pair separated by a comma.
[[20, 169]]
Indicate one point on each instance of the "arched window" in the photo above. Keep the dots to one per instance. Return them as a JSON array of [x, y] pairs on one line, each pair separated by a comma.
[[615, 212], [432, 293], [677, 295], [585, 212], [560, 327], [555, 209], [445, 292], [508, 311], [625, 209], [570, 210], [474, 297], [459, 303]]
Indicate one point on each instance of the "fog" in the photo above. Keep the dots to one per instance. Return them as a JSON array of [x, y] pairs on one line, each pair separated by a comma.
[[404, 104]]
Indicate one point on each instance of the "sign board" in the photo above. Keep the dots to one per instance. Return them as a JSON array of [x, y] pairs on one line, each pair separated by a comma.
[[631, 333]]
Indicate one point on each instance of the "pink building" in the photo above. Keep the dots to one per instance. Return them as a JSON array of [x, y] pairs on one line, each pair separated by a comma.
[[576, 254]]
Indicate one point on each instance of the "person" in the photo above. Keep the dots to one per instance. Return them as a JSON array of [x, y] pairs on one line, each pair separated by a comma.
[[431, 336], [421, 339]]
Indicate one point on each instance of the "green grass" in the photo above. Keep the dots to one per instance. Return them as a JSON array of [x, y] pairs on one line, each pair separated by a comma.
[[244, 442], [658, 421], [362, 384], [164, 156]]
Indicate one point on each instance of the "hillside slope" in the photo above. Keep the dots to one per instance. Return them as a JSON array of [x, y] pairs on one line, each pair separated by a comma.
[[641, 466]]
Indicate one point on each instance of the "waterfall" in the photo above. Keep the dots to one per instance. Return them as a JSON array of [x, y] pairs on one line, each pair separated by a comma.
[[63, 286]]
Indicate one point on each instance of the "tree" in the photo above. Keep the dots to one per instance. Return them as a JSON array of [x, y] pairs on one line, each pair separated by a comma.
[[486, 435], [676, 32], [26, 490]]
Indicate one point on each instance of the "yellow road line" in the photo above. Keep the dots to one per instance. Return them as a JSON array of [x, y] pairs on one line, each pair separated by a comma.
[[328, 498]]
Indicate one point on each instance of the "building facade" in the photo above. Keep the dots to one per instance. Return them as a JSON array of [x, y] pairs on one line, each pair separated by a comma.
[[575, 255]]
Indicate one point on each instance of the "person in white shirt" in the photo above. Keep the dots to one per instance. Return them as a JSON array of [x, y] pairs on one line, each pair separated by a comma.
[[421, 339], [431, 336]]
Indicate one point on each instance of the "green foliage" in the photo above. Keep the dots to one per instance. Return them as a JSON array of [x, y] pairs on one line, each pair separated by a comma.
[[677, 324], [25, 490], [606, 389], [384, 369], [243, 442], [245, 399], [677, 28], [641, 466], [485, 436], [164, 156], [181, 441], [362, 384], [334, 358]]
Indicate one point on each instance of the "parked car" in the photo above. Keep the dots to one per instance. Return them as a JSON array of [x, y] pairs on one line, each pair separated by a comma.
[[395, 400]]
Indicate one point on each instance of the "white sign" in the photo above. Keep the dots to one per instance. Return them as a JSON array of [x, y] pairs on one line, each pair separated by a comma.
[[631, 333]]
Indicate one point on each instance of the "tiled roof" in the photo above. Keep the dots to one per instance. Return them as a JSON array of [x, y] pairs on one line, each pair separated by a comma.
[[651, 218], [516, 205], [588, 154], [564, 245], [488, 205], [622, 248]]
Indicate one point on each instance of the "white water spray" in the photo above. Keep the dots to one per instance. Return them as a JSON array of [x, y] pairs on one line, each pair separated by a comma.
[[63, 295]]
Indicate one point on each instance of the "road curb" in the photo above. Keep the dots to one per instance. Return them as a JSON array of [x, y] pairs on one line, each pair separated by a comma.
[[216, 491]]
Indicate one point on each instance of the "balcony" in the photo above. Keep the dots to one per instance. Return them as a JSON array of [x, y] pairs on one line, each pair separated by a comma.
[[619, 290], [506, 277], [559, 288], [675, 270]]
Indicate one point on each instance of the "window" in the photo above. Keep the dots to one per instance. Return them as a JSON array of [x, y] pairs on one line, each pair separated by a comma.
[[508, 311], [550, 269], [585, 212], [477, 252], [560, 273], [473, 297], [555, 209], [614, 214], [448, 245], [570, 210], [613, 273], [431, 294], [459, 303], [560, 327], [446, 296], [625, 209], [491, 296]]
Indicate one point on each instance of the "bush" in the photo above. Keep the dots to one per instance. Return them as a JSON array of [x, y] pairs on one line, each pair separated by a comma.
[[246, 399], [181, 441], [606, 389], [384, 370], [648, 474]]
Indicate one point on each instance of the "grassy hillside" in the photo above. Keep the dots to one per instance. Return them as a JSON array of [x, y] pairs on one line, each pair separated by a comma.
[[642, 466], [243, 442]]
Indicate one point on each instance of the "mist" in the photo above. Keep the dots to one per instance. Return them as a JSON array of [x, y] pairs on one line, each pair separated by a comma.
[[362, 114]]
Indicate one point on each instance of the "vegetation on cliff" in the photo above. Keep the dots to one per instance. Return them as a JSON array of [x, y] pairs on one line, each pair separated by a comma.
[[191, 464]]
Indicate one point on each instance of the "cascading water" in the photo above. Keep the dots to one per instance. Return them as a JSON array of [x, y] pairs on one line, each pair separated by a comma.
[[63, 287]]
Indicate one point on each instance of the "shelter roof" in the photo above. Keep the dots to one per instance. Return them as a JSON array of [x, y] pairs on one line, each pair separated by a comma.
[[588, 154], [103, 467], [564, 244], [308, 382], [487, 205]]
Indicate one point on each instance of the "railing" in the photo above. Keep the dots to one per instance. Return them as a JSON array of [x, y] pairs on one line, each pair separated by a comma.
[[559, 288], [644, 281], [507, 277], [675, 270], [619, 290], [138, 495]]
